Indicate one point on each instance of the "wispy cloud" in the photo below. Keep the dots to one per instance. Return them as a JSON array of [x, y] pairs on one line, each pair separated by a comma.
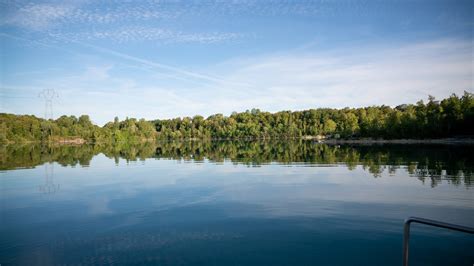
[[295, 81], [163, 70], [120, 13], [150, 63], [44, 16], [112, 60], [390, 75], [120, 23], [37, 16], [141, 33], [118, 19]]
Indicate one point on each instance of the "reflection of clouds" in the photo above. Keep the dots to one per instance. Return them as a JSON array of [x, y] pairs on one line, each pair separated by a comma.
[[99, 205], [292, 197], [280, 190]]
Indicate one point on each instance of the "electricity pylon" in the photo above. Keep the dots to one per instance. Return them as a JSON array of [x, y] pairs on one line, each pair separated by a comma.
[[49, 187], [48, 96]]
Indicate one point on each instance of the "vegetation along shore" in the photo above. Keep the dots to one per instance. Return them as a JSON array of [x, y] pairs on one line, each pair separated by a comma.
[[450, 120]]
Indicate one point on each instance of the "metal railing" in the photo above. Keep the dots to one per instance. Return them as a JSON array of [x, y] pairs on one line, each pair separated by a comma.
[[406, 236]]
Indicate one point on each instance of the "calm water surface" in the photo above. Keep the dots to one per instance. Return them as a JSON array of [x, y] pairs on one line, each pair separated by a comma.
[[234, 203]]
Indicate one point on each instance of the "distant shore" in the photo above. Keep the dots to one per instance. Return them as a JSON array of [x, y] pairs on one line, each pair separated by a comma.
[[469, 141], [363, 141]]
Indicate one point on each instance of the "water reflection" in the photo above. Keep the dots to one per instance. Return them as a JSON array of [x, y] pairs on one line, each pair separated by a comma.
[[238, 203], [49, 187], [429, 163]]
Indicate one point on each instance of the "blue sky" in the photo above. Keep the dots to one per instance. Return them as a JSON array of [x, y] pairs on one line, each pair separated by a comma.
[[163, 59]]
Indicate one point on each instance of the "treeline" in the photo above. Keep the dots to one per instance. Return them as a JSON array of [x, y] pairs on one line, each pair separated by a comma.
[[453, 116], [28, 128], [431, 164]]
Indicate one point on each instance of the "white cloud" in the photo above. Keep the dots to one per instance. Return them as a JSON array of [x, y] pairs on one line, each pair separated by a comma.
[[293, 81], [389, 76], [97, 72], [64, 18], [37, 16], [44, 16], [59, 22], [364, 77], [141, 33]]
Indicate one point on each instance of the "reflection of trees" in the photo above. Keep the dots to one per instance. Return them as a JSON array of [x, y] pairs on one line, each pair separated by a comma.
[[429, 163], [130, 152], [25, 156]]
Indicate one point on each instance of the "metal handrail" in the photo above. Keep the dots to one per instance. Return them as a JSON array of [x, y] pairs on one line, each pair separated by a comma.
[[406, 236]]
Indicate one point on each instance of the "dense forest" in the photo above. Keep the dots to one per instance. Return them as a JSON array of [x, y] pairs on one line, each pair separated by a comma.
[[453, 116], [28, 128], [430, 164]]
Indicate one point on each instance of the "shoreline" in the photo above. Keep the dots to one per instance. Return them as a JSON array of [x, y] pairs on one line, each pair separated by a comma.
[[446, 141], [368, 141]]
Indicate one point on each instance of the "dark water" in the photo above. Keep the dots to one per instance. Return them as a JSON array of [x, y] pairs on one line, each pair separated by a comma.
[[234, 203]]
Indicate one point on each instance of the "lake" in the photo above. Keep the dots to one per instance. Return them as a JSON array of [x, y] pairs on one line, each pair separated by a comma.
[[234, 203]]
